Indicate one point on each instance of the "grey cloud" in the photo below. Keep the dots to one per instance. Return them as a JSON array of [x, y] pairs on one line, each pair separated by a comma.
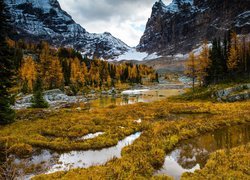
[[107, 9], [125, 19]]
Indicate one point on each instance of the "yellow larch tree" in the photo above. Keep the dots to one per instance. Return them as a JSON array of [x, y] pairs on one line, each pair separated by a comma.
[[56, 76], [233, 58], [28, 73], [191, 68], [203, 63], [75, 71], [109, 81]]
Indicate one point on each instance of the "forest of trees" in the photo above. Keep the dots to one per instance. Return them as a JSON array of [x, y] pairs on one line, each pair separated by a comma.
[[225, 60], [66, 67], [33, 67]]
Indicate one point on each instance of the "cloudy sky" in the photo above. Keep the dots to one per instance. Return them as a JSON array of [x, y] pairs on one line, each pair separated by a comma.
[[124, 19]]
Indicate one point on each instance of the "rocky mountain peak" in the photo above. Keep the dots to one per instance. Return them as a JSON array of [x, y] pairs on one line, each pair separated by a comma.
[[36, 20], [183, 24]]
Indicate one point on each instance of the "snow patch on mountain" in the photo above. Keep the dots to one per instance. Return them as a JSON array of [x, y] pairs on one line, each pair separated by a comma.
[[174, 5], [152, 56], [242, 19], [133, 54], [37, 20]]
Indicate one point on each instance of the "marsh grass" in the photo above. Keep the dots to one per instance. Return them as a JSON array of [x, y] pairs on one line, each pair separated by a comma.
[[160, 133], [225, 164]]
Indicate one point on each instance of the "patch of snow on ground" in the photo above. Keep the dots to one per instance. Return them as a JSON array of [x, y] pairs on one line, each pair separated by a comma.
[[134, 92], [91, 136], [138, 121]]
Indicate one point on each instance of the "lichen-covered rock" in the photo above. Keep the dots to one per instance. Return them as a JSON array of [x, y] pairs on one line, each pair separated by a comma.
[[239, 97], [232, 94], [56, 98]]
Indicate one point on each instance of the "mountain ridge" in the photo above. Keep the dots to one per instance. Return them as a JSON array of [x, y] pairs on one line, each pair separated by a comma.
[[45, 20], [183, 24]]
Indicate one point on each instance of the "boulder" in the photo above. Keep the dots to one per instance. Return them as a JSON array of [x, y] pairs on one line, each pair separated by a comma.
[[233, 94], [56, 98]]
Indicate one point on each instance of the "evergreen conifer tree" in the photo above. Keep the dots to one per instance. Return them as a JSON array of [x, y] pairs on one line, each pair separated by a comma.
[[7, 69], [38, 100]]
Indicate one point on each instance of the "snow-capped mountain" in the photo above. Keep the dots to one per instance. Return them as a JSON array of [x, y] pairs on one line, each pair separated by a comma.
[[183, 24], [45, 20]]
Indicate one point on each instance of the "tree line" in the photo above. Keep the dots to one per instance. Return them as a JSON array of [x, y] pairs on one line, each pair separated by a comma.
[[227, 59], [66, 67], [34, 67], [37, 67]]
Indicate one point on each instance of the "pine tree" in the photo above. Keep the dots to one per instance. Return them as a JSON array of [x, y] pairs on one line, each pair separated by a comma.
[[157, 77], [66, 69], [7, 67], [38, 100], [216, 71]]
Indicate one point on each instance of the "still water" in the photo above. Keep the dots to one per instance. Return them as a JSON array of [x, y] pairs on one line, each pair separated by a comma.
[[85, 159], [135, 96], [47, 161], [194, 153]]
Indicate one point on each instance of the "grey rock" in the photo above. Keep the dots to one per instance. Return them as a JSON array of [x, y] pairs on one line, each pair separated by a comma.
[[231, 95], [56, 98]]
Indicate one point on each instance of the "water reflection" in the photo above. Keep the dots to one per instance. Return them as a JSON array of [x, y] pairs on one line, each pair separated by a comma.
[[84, 159], [193, 154], [47, 161], [143, 96]]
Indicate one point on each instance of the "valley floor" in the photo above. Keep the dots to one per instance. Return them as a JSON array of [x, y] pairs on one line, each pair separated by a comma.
[[163, 124]]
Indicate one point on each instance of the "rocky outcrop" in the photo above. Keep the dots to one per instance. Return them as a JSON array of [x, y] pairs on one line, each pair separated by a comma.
[[232, 94], [36, 20], [56, 99], [184, 24]]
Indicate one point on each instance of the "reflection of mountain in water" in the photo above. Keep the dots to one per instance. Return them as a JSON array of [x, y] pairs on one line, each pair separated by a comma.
[[197, 150], [194, 153]]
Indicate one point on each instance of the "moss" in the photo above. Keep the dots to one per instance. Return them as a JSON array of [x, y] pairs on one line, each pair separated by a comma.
[[139, 160], [21, 149]]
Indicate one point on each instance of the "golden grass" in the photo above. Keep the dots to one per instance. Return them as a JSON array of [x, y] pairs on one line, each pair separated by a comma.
[[164, 125], [225, 164]]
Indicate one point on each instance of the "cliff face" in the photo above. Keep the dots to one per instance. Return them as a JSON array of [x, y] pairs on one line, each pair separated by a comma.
[[37, 20], [183, 24]]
